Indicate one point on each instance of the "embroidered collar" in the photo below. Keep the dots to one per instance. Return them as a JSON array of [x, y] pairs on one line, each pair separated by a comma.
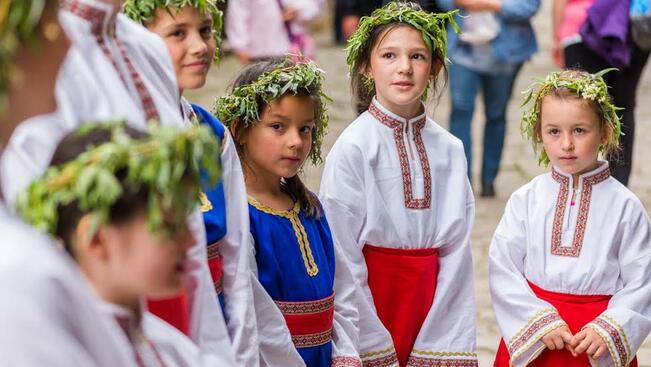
[[593, 177], [189, 117], [101, 16], [389, 118]]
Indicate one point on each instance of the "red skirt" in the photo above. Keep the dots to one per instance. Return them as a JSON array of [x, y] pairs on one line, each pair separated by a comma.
[[576, 311], [403, 284], [175, 310]]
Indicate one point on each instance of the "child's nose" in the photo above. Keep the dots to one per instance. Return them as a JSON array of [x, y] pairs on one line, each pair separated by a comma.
[[197, 44], [405, 64]]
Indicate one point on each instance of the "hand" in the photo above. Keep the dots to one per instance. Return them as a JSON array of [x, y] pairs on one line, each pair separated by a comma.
[[289, 14], [557, 54], [349, 25], [480, 5], [588, 341], [243, 57], [558, 339]]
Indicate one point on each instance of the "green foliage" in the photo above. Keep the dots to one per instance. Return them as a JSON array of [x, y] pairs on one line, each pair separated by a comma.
[[244, 102], [166, 163], [18, 21], [431, 25], [144, 11], [584, 85]]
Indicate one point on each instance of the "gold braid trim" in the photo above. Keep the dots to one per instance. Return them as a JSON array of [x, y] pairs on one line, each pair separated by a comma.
[[621, 332], [543, 331], [530, 322], [299, 231], [376, 353], [444, 354]]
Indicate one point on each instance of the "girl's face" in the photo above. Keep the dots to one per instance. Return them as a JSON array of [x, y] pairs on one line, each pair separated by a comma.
[[279, 143], [140, 263], [189, 37], [401, 66], [571, 134]]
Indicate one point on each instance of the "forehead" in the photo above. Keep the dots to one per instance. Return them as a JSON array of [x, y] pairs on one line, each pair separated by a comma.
[[401, 36], [567, 110], [187, 14]]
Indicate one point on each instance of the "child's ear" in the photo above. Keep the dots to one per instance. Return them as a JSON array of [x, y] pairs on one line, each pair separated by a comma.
[[93, 244], [606, 133], [436, 68]]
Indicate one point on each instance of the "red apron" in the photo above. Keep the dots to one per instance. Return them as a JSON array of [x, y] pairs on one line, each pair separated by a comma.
[[576, 311], [175, 310], [309, 322], [403, 284]]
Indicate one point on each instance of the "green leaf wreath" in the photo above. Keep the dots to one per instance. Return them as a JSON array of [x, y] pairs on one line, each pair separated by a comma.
[[585, 85], [143, 11], [431, 25], [167, 163], [18, 21], [244, 102]]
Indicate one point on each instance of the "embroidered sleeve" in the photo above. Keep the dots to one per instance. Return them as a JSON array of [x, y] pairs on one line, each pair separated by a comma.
[[615, 337], [522, 317], [380, 358]]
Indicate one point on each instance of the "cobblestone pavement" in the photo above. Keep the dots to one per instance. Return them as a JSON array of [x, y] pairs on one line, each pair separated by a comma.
[[518, 163]]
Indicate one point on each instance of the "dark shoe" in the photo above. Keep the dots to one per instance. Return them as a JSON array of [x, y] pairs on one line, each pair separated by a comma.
[[487, 190]]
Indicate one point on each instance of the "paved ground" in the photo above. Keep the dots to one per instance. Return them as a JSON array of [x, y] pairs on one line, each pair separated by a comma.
[[518, 164]]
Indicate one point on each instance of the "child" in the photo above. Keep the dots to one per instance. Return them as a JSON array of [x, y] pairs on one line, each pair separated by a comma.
[[118, 200], [276, 113], [397, 196], [45, 296], [573, 289]]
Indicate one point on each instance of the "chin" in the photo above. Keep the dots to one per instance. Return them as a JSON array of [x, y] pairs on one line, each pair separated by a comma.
[[192, 83]]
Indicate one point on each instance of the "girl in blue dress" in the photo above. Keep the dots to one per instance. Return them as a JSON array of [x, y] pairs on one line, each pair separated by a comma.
[[276, 114]]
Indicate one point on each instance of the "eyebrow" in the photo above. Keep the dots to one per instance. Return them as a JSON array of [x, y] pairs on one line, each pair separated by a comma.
[[392, 48]]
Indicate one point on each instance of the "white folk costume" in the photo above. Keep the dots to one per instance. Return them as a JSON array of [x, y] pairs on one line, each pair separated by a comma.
[[48, 312], [115, 69], [584, 262], [400, 206], [154, 342]]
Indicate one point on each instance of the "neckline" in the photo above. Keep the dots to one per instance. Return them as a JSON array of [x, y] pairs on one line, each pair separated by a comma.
[[269, 210]]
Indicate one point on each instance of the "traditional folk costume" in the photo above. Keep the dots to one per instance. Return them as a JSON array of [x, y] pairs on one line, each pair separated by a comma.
[[115, 69], [48, 314], [294, 254], [154, 342], [295, 260], [588, 265], [400, 205]]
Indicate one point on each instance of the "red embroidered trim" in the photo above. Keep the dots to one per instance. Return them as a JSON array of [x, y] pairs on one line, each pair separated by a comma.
[[384, 361], [312, 340], [617, 338], [398, 133], [299, 308], [145, 98], [533, 329], [439, 362], [582, 218], [218, 279], [96, 18], [346, 362]]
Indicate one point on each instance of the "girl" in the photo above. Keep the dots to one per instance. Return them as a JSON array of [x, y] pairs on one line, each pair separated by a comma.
[[191, 31], [276, 113], [118, 200], [400, 204], [573, 289]]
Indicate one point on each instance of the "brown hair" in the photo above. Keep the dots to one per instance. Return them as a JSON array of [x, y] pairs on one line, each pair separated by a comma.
[[362, 94], [292, 186], [132, 201], [609, 150]]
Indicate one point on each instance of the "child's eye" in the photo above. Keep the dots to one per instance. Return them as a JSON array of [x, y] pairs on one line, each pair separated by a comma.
[[177, 34], [388, 55], [276, 126], [418, 57], [579, 130], [206, 32], [553, 132], [306, 129]]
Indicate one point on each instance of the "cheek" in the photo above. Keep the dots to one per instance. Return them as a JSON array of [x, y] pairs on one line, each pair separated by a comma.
[[176, 51]]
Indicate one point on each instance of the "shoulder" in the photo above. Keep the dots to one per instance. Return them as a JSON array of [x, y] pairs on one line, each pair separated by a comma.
[[443, 137], [209, 119], [630, 204]]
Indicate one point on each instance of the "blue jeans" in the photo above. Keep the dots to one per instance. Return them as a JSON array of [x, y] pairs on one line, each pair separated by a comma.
[[496, 88]]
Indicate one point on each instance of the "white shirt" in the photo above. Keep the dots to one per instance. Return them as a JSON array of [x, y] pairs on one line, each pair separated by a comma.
[[115, 69], [599, 246], [47, 310], [375, 191]]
